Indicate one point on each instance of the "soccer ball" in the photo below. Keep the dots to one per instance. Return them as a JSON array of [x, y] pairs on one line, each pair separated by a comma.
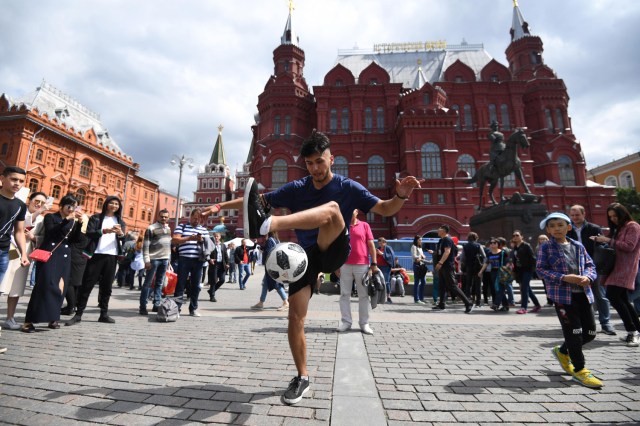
[[287, 262]]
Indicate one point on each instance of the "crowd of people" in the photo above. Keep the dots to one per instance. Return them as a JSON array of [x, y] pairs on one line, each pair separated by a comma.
[[325, 209]]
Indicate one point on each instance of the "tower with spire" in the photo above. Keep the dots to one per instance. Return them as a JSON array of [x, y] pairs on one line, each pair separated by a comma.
[[286, 115], [215, 184]]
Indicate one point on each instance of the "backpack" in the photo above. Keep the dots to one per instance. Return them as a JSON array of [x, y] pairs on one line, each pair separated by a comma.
[[167, 311]]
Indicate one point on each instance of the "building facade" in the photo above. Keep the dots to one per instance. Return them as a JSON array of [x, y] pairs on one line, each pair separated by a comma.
[[65, 148], [623, 172], [424, 109]]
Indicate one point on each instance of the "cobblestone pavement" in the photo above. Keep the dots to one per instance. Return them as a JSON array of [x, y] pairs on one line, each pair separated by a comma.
[[232, 364]]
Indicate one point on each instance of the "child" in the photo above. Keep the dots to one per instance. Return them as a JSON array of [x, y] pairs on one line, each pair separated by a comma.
[[568, 271]]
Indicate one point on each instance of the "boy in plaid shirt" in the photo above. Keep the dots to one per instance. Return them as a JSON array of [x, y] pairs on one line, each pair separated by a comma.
[[568, 271]]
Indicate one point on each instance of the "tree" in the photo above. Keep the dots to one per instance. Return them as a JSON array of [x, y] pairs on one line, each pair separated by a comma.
[[629, 198]]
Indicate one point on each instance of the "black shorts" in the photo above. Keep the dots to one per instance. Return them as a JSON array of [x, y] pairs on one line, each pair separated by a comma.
[[323, 261]]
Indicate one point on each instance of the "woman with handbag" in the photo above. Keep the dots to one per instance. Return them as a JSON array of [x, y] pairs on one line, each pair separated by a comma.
[[624, 238], [497, 260], [52, 273]]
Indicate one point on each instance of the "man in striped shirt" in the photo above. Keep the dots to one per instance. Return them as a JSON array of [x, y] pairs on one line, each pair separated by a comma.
[[189, 237]]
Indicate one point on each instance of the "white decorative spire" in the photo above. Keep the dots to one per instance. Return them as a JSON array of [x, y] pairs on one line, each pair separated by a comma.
[[289, 36]]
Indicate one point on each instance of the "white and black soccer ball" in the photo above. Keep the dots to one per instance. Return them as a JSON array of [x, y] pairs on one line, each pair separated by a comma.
[[287, 262]]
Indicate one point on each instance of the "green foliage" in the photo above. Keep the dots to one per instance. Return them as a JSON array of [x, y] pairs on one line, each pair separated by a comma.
[[630, 198]]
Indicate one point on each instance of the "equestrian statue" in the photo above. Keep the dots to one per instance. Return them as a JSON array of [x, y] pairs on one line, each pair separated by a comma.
[[503, 160]]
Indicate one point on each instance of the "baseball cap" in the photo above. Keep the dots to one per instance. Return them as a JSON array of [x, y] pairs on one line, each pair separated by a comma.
[[555, 215]]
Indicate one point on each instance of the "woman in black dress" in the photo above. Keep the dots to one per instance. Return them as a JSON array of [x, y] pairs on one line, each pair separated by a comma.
[[52, 277]]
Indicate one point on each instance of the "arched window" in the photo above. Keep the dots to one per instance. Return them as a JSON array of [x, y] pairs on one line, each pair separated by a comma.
[[340, 166], [55, 191], [565, 169], [344, 118], [368, 119], [279, 173], [456, 108], [130, 211], [216, 184], [375, 172], [611, 181], [276, 126], [333, 120], [142, 215], [149, 216], [467, 163], [559, 120], [431, 164], [380, 119], [85, 168], [33, 185], [118, 183], [493, 113], [99, 203], [504, 114], [549, 120], [61, 162], [104, 179], [5, 149], [626, 180], [287, 125], [81, 195], [468, 119], [39, 155]]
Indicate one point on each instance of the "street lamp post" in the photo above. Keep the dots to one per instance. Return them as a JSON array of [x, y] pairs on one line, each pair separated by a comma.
[[181, 162]]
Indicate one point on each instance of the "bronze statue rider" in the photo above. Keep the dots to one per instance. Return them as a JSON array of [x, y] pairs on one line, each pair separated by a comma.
[[497, 144]]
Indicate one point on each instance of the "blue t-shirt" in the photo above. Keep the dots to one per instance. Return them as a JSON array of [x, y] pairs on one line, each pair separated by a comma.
[[301, 195]]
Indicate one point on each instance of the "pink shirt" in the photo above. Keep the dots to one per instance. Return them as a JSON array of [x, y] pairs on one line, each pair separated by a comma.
[[359, 234]]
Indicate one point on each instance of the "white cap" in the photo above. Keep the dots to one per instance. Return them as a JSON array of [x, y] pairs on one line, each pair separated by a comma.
[[556, 215]]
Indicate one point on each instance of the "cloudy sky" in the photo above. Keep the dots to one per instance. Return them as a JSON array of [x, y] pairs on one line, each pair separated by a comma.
[[164, 74]]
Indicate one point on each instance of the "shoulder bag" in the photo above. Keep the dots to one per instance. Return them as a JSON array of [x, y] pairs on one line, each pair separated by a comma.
[[43, 256], [604, 258]]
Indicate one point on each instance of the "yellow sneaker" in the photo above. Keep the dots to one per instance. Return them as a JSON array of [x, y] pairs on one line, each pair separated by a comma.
[[585, 378], [564, 360]]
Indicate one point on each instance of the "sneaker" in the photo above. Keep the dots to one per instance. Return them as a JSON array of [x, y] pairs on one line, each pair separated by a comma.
[[631, 340], [535, 309], [143, 311], [257, 307], [389, 301], [585, 378], [253, 212], [297, 388], [564, 360], [608, 330], [366, 329], [194, 313], [2, 349], [154, 309], [419, 302], [468, 309], [521, 311], [105, 319], [74, 320], [284, 307], [11, 324], [343, 327], [439, 307], [504, 309]]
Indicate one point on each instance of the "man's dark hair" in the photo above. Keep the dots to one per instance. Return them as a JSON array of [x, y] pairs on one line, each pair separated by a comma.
[[13, 169], [445, 227], [472, 236], [163, 211], [316, 143]]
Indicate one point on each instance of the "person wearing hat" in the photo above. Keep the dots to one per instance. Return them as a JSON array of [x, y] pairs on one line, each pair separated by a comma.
[[568, 272]]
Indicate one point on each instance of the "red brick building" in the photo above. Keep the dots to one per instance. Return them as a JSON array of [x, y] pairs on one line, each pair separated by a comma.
[[424, 109], [66, 148]]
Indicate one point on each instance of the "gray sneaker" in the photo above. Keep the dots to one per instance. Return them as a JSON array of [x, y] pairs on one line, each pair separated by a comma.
[[11, 324]]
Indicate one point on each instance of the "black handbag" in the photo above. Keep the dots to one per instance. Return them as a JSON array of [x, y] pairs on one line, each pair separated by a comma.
[[604, 258]]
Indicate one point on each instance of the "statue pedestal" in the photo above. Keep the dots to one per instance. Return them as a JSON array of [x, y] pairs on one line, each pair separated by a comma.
[[503, 219]]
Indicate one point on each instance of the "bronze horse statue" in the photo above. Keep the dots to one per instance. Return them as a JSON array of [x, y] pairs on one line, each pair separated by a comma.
[[505, 164]]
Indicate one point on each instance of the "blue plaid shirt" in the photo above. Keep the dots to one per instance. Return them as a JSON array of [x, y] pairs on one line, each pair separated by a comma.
[[551, 266]]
